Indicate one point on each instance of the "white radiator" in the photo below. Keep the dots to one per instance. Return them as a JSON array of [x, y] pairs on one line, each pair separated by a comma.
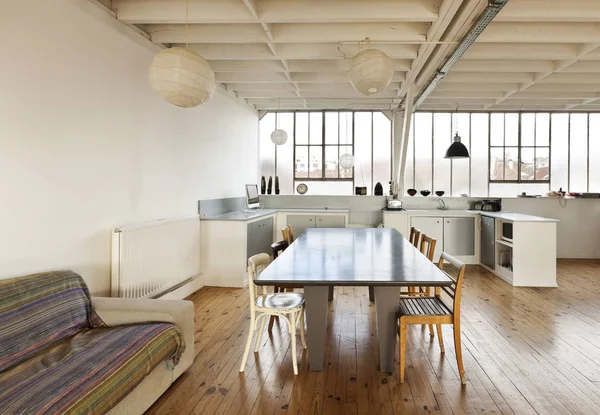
[[151, 259]]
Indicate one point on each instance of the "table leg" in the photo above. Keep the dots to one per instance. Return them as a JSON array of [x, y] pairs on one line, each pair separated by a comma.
[[316, 324], [371, 293], [330, 294], [386, 304]]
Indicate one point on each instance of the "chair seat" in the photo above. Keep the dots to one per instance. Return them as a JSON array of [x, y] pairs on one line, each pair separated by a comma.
[[280, 301], [423, 306]]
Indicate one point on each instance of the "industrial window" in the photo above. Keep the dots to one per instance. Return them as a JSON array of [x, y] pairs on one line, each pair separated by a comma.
[[520, 148]]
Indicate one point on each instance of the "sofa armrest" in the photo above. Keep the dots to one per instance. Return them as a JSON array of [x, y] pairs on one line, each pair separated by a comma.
[[121, 311]]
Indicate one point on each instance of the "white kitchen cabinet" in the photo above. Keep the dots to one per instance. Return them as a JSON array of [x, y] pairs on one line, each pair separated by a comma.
[[330, 221], [434, 228], [459, 236]]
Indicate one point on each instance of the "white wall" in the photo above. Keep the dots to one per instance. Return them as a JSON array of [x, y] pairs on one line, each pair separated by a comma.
[[86, 145]]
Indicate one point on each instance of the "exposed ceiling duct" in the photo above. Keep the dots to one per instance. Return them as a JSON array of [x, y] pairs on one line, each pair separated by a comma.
[[484, 19]]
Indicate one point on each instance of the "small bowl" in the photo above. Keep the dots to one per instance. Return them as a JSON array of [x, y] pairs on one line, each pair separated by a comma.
[[411, 192], [425, 192], [440, 193]]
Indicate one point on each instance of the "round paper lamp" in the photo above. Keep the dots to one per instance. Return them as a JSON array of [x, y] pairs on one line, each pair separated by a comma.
[[347, 161], [279, 137], [371, 71], [182, 77]]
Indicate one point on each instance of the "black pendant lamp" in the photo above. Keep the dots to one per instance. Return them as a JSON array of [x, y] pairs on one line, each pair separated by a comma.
[[457, 150]]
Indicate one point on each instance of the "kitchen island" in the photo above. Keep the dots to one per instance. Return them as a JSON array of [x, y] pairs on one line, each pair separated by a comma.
[[526, 258]]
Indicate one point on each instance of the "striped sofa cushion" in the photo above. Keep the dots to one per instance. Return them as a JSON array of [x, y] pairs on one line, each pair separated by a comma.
[[39, 310], [90, 372]]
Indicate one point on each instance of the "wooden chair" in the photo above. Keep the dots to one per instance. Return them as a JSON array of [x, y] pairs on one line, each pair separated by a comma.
[[288, 235], [433, 310], [289, 306], [414, 236], [279, 247]]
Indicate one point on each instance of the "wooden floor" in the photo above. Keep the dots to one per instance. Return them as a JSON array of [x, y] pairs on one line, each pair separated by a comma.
[[526, 351]]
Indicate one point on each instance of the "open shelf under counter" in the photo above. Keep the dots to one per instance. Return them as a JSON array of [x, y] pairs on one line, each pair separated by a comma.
[[505, 243]]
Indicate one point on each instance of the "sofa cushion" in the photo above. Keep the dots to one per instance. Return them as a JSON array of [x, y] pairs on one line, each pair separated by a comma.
[[89, 372], [39, 310]]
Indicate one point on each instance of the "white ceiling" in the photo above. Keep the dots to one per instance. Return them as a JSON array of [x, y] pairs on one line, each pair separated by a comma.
[[536, 54]]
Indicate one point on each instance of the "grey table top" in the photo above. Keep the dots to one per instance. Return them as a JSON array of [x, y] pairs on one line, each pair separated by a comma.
[[352, 256]]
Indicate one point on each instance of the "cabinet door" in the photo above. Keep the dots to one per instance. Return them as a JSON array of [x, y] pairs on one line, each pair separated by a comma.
[[488, 241], [432, 227], [252, 236], [459, 236], [330, 221], [266, 232], [299, 223]]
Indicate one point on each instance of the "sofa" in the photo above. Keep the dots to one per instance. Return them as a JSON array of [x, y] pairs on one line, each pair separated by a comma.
[[65, 352]]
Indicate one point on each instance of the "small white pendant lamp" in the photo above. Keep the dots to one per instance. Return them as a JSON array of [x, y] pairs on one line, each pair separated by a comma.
[[371, 72], [278, 136], [182, 77], [346, 161]]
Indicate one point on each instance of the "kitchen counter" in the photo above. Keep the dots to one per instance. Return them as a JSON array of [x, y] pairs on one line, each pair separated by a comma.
[[244, 215], [514, 217]]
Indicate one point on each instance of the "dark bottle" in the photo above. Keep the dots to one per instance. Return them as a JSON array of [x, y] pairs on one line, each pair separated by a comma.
[[270, 186], [263, 185], [378, 189], [276, 185]]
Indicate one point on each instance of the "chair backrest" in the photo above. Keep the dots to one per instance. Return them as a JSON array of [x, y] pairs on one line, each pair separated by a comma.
[[288, 235], [256, 264], [279, 247], [414, 236], [428, 246], [455, 289]]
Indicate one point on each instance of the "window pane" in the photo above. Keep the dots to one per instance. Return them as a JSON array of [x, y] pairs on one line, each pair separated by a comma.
[[442, 138], [362, 154], [301, 161], [560, 151], [511, 163], [542, 163], [285, 155], [345, 173], [423, 150], [479, 154], [528, 129], [316, 128], [331, 161], [301, 128], [497, 163], [511, 135], [266, 146], [460, 168], [497, 130], [542, 129], [527, 163], [515, 189], [594, 153], [331, 128], [382, 150], [345, 127], [578, 147], [409, 177], [315, 170]]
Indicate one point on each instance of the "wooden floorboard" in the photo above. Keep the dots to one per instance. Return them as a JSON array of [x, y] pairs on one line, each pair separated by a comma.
[[525, 351]]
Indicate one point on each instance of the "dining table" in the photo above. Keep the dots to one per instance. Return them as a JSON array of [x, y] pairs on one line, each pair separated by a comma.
[[378, 258]]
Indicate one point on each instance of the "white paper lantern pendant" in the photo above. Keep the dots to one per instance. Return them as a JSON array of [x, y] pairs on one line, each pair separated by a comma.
[[346, 161], [371, 71], [279, 137], [182, 77]]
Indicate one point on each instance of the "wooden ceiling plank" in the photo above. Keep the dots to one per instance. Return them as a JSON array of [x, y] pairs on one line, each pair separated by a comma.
[[509, 32], [545, 11]]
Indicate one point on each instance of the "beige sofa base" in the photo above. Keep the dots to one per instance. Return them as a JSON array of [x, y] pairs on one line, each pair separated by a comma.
[[119, 311]]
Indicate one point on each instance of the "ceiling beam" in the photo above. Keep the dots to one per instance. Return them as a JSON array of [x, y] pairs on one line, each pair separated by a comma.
[[525, 51], [509, 32], [555, 11]]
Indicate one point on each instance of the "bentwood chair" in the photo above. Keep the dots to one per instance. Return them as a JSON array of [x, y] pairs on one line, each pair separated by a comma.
[[288, 235], [433, 310], [289, 306], [277, 248]]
